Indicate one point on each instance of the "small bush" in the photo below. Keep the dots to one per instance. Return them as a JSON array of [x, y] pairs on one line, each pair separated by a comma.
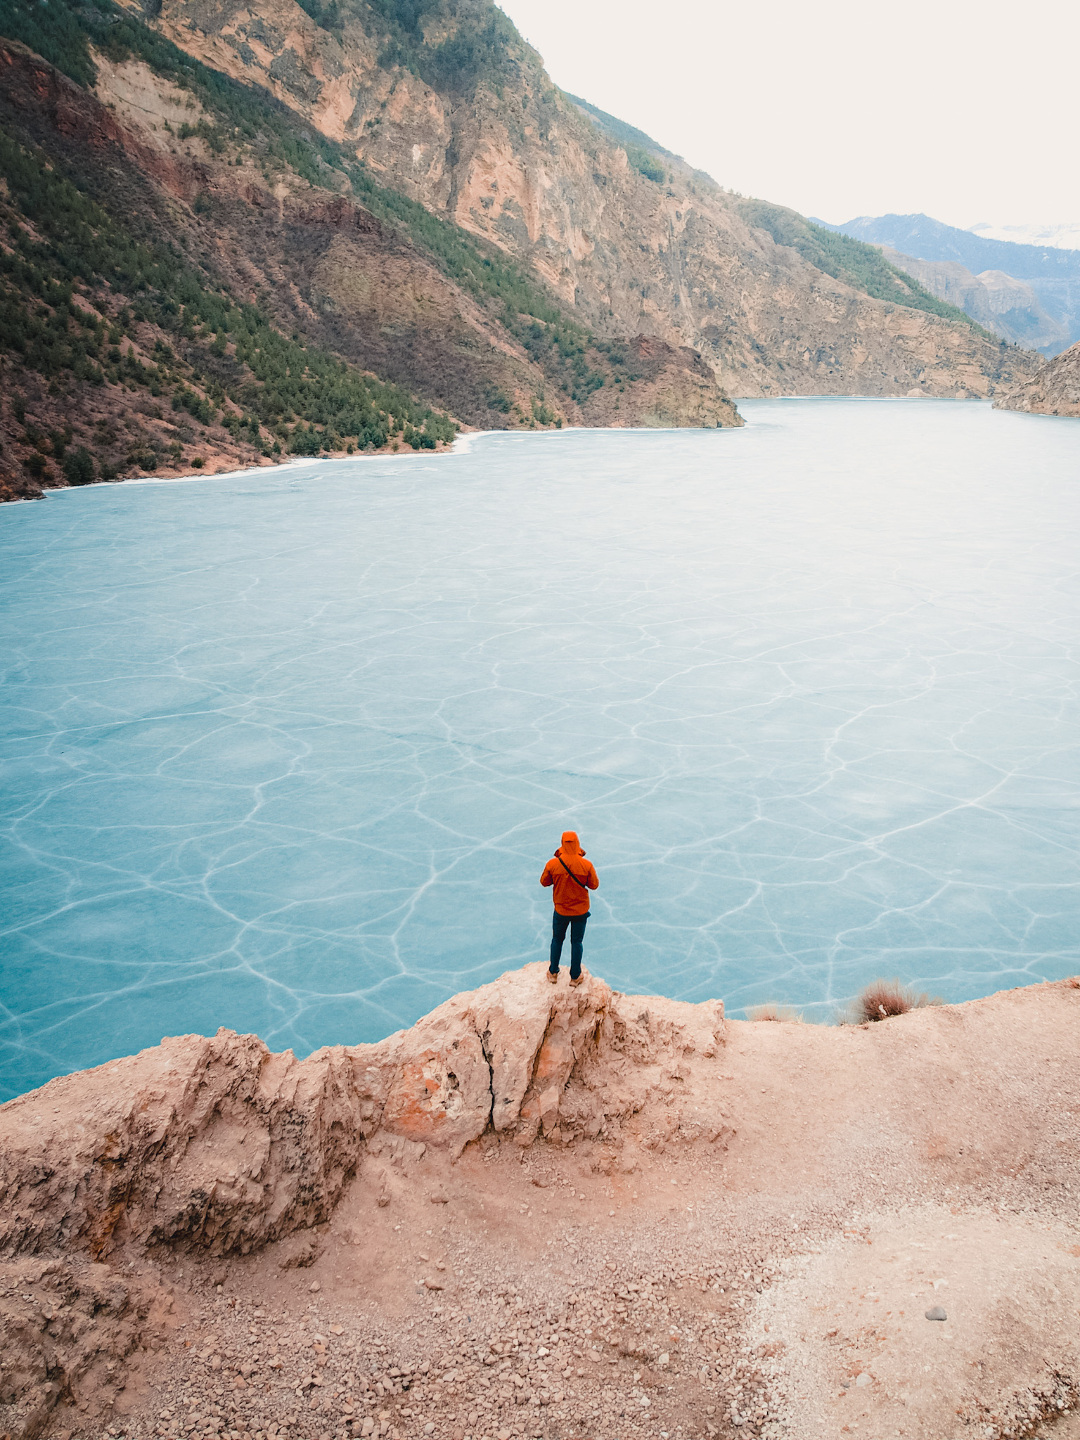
[[79, 466], [771, 1011], [882, 999], [198, 461]]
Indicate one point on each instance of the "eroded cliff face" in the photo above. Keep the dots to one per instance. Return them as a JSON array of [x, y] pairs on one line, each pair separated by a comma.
[[1053, 390], [671, 387], [206, 1148], [508, 157]]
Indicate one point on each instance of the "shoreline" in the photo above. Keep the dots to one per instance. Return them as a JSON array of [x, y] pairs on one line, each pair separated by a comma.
[[463, 443], [461, 446]]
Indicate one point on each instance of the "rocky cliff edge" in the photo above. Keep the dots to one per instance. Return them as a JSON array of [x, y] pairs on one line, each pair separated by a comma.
[[553, 1213], [221, 1144]]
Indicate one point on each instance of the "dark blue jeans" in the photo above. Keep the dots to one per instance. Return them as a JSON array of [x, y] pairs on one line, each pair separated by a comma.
[[559, 925]]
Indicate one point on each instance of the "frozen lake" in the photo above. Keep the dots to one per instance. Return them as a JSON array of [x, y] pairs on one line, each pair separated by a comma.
[[287, 752]]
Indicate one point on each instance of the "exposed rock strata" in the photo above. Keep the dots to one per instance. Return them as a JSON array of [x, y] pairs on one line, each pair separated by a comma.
[[1053, 390]]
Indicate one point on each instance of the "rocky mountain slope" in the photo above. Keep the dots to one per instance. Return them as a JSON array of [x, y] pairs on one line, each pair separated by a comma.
[[544, 1212], [1052, 272], [443, 101], [1004, 306], [193, 279], [1053, 390]]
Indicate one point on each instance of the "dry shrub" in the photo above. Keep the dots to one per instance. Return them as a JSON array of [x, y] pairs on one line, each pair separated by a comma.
[[771, 1011], [882, 999]]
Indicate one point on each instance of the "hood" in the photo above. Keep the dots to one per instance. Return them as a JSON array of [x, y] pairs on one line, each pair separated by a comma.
[[571, 845]]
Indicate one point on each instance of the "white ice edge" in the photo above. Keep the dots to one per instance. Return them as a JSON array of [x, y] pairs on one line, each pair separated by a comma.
[[464, 444], [461, 446]]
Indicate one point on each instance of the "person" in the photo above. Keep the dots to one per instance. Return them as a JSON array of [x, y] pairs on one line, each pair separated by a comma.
[[570, 877]]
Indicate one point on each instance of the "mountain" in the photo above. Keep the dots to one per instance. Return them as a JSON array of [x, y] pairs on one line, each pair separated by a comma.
[[930, 239], [246, 230], [1053, 390], [443, 101], [1007, 307], [175, 301], [1052, 273]]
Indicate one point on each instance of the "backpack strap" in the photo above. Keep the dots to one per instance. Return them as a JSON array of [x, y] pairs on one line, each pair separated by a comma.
[[570, 872]]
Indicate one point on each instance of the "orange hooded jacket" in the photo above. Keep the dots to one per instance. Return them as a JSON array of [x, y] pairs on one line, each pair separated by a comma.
[[571, 896]]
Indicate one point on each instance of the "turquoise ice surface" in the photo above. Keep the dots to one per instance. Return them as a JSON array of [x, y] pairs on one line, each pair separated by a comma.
[[286, 751]]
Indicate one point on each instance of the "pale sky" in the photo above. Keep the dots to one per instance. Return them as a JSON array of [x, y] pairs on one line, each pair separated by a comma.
[[965, 111]]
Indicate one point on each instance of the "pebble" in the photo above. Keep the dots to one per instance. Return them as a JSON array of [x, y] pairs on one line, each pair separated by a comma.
[[936, 1313]]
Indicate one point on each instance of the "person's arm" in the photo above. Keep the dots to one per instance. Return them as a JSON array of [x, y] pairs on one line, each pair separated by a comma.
[[547, 878], [592, 880]]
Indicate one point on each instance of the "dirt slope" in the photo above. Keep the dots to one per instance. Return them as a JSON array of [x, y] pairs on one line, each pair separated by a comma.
[[552, 1213]]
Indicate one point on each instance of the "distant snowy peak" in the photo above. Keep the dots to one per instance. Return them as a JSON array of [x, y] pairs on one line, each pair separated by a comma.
[[1062, 237]]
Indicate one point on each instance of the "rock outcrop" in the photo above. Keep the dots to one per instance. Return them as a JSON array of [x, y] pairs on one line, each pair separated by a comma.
[[221, 1145], [1053, 390], [213, 1142], [671, 388]]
